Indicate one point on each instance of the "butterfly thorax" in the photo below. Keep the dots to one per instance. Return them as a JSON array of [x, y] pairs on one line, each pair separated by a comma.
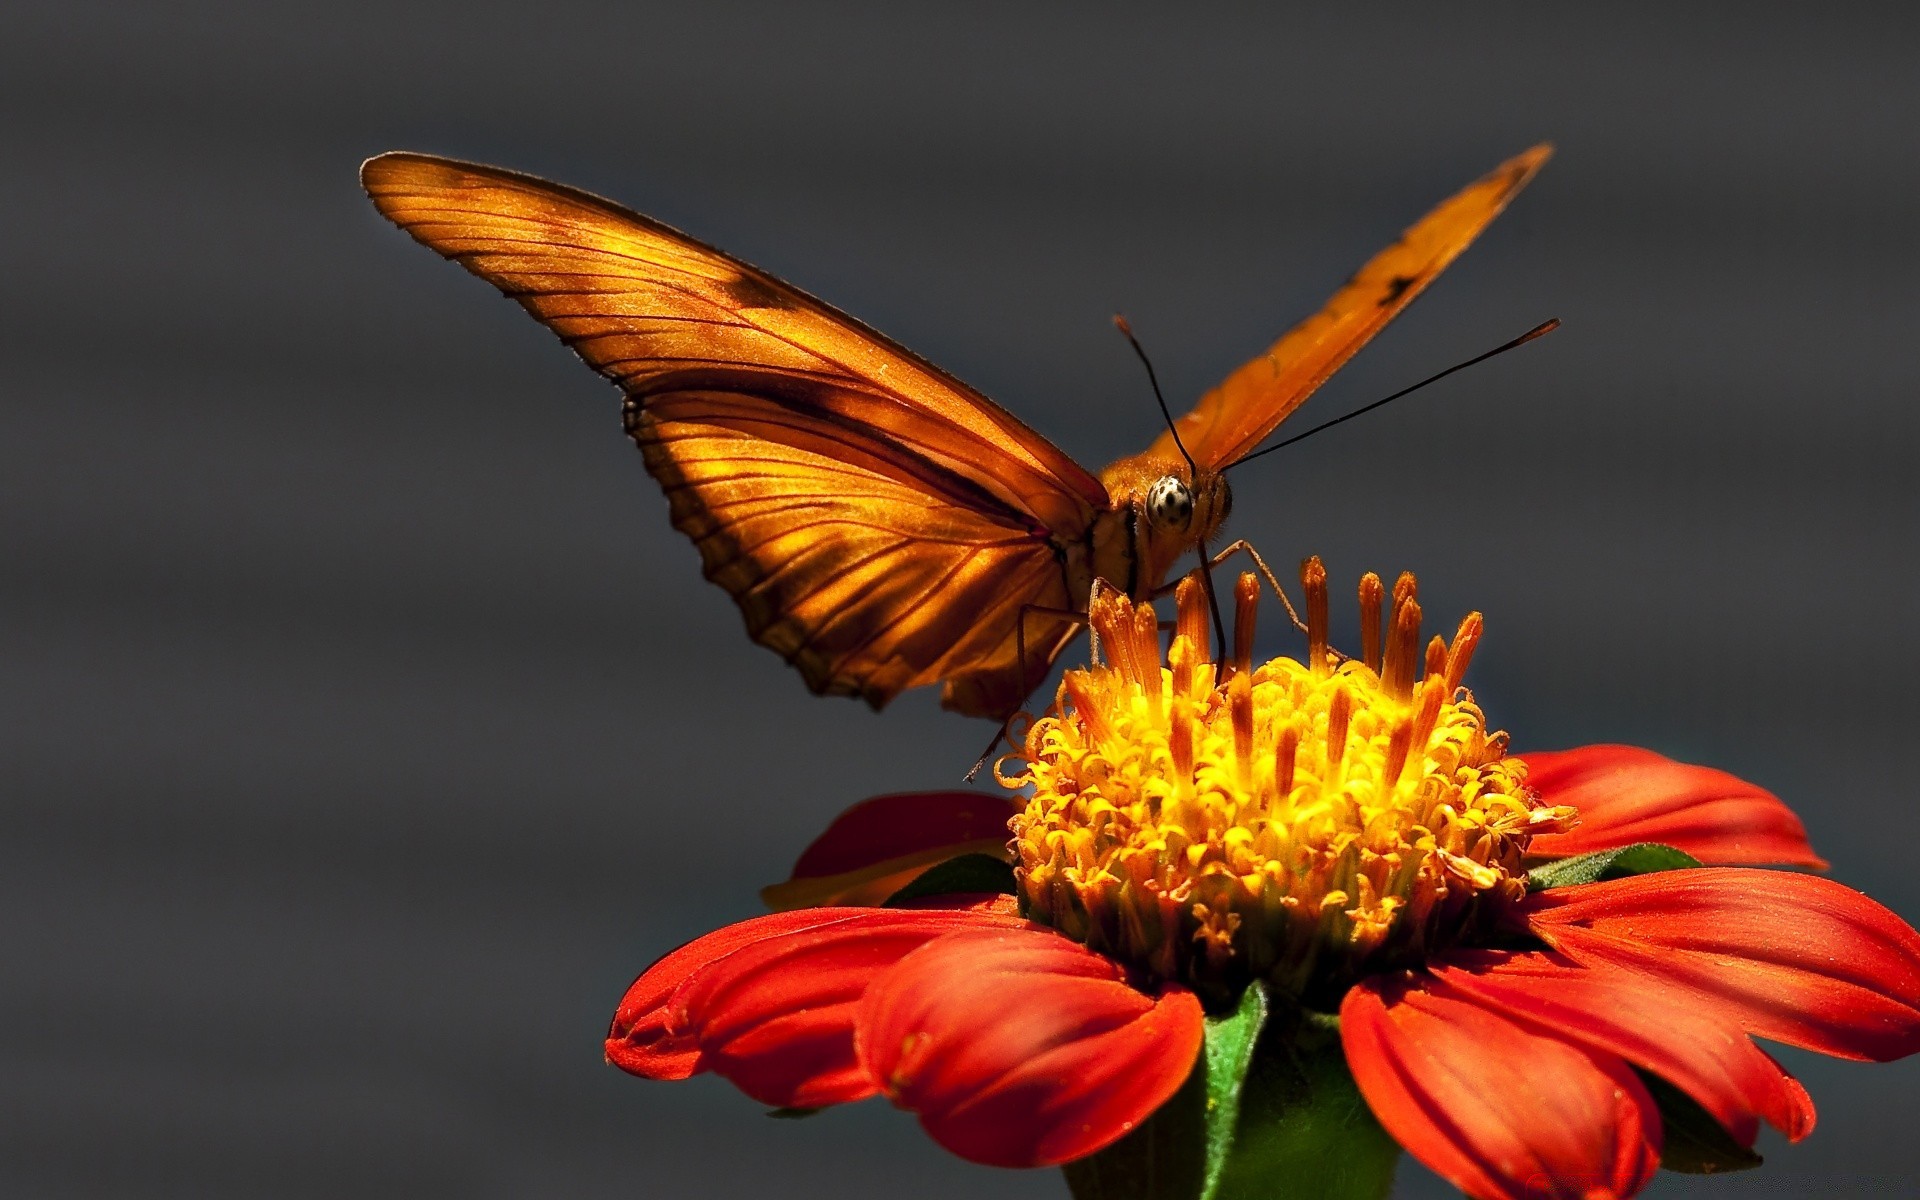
[[1161, 510]]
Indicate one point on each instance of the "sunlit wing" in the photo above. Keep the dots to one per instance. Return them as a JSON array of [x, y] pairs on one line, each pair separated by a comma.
[[1235, 417], [865, 570], [879, 523]]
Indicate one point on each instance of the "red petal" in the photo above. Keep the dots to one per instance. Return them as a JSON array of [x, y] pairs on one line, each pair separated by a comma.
[[776, 1017], [888, 826], [1795, 958], [1627, 795], [1499, 1107], [1644, 1020], [638, 1040], [879, 845], [1022, 1049]]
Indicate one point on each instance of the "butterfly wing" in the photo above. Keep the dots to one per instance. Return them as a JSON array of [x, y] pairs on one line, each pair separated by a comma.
[[1235, 417], [879, 523]]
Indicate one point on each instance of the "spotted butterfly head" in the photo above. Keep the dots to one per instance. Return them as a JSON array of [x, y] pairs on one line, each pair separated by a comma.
[[1170, 504]]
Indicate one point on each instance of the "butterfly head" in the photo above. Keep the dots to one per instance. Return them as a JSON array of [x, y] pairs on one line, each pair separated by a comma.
[[1187, 512], [1174, 509], [1170, 505]]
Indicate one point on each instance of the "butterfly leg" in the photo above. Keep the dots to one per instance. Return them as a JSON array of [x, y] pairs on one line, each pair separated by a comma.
[[1274, 583], [1079, 622], [1243, 545]]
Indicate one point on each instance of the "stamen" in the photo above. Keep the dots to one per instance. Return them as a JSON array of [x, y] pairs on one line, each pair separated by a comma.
[[1240, 702], [1436, 657], [1313, 580], [1338, 711], [1396, 674], [1397, 746], [1085, 708], [1180, 657], [1372, 592], [1433, 690], [1190, 601], [1246, 607], [1285, 751], [1180, 737], [1405, 588], [1146, 650], [1112, 619], [1094, 606], [1461, 653]]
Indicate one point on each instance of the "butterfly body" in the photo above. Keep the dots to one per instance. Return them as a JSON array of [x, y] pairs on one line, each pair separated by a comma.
[[880, 525]]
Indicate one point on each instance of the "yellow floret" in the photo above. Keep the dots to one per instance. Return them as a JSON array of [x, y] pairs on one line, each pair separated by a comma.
[[1292, 822]]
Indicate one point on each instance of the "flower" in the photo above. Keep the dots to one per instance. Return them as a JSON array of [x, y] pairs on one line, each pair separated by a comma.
[[1350, 835]]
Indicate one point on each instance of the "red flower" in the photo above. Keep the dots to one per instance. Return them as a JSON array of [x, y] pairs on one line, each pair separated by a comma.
[[1505, 1071], [1505, 1055]]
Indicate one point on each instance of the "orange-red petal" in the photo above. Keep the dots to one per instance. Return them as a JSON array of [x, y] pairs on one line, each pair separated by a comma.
[[1640, 1018], [768, 1002], [1501, 1108], [1794, 958], [1626, 795], [1021, 1048], [878, 846], [638, 1041]]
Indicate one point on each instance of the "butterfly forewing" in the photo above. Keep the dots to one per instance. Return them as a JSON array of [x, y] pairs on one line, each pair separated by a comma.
[[1235, 417], [879, 523]]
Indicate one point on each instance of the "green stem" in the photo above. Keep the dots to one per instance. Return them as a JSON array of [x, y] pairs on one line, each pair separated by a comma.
[[1295, 1127]]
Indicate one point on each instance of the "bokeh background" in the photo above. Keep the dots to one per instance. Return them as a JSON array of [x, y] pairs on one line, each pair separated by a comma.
[[364, 727]]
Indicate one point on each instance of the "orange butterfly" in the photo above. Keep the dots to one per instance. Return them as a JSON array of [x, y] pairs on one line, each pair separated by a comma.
[[881, 525]]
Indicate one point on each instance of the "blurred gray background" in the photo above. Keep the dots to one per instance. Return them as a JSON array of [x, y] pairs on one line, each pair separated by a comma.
[[364, 728]]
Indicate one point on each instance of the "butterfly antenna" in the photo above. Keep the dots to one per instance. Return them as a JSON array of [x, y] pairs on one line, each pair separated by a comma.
[[1193, 472], [1538, 331], [1126, 331]]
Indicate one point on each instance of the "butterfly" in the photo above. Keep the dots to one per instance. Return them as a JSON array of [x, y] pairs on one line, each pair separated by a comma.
[[881, 525]]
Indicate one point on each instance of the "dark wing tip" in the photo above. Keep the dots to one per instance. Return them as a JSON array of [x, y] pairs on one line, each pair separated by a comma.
[[1510, 176], [1523, 166]]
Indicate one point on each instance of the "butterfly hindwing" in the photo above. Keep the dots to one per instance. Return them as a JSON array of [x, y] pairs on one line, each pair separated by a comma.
[[867, 578]]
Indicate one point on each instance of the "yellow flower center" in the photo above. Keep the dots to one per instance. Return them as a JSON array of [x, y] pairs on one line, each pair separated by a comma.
[[1300, 822]]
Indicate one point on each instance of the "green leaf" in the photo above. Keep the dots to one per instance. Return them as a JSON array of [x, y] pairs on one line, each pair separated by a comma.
[[1695, 1144], [1227, 1054], [1269, 1113], [958, 876], [1642, 858], [792, 1114]]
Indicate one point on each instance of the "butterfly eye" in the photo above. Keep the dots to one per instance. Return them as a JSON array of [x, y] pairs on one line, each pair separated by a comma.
[[1170, 504]]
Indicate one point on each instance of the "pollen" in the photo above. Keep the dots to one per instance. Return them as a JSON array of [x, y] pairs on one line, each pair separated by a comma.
[[1299, 822]]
